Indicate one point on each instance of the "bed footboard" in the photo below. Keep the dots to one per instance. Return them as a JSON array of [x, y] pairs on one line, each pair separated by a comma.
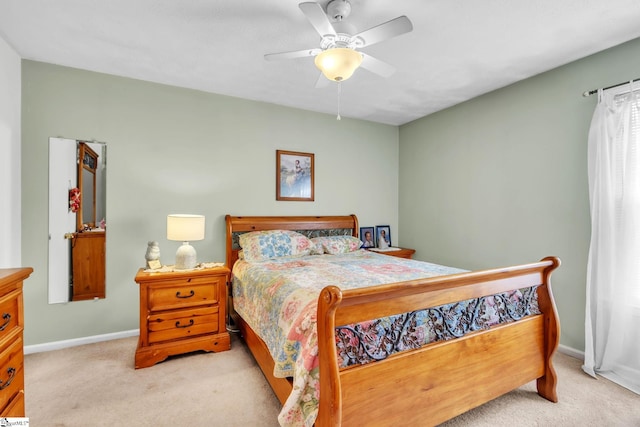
[[439, 381]]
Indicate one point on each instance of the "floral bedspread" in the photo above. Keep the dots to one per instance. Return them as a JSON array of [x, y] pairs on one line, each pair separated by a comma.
[[281, 309]]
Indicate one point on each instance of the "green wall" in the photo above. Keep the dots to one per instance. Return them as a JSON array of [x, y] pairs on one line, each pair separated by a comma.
[[502, 179], [173, 150]]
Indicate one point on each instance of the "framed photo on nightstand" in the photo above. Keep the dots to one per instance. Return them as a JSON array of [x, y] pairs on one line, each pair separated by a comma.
[[383, 236], [368, 237]]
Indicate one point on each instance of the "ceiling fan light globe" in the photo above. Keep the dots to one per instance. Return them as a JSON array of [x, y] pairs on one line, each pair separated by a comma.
[[338, 64]]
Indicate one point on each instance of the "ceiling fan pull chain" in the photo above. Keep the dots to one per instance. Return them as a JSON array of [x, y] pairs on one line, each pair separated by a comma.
[[339, 96]]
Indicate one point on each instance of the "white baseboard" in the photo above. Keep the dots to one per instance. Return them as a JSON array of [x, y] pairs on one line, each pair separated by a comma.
[[57, 345], [571, 352]]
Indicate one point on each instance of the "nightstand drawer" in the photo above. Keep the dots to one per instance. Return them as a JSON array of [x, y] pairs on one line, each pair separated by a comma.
[[183, 324], [397, 252], [11, 375], [184, 293]]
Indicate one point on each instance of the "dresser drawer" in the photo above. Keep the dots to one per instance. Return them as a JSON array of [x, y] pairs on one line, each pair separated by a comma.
[[15, 408], [11, 373], [183, 324], [184, 293], [9, 314]]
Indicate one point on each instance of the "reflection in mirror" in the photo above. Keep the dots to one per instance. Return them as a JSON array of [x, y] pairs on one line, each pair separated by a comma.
[[87, 165], [88, 209], [77, 220]]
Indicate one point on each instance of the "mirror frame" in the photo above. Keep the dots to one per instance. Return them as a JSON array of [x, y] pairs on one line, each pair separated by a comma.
[[87, 161]]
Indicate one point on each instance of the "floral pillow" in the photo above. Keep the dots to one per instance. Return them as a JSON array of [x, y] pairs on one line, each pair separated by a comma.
[[317, 249], [337, 244], [263, 245]]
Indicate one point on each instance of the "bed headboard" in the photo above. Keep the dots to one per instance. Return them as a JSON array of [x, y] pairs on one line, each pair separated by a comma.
[[310, 226]]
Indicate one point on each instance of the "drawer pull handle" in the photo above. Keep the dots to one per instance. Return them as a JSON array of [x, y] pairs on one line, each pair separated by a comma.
[[12, 373], [7, 318], [192, 293], [178, 325]]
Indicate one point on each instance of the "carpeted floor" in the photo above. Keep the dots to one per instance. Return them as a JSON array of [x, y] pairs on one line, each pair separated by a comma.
[[96, 385]]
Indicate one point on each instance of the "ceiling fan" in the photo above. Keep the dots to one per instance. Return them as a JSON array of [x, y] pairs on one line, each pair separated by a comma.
[[338, 55]]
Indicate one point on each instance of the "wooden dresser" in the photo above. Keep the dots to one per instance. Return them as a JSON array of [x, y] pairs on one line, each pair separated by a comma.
[[181, 312], [11, 343]]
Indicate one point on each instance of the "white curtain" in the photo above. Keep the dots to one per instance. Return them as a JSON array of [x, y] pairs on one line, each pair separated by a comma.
[[612, 324]]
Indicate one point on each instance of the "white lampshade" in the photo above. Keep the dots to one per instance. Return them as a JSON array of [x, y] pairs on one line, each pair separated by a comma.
[[185, 228], [338, 64]]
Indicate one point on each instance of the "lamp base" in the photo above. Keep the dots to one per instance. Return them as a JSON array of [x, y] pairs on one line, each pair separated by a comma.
[[185, 257]]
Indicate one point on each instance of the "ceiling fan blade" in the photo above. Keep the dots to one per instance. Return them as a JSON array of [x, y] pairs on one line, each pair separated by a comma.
[[322, 81], [387, 30], [376, 66], [292, 55], [314, 13]]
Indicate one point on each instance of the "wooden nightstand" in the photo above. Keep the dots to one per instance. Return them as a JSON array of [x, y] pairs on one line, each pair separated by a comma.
[[181, 312], [400, 253]]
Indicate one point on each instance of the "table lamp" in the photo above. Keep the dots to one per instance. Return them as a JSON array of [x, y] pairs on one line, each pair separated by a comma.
[[185, 228]]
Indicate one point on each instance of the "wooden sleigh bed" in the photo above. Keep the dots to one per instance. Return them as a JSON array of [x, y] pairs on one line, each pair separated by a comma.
[[430, 384]]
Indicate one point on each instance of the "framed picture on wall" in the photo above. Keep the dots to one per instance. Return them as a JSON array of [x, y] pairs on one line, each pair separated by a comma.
[[368, 237], [294, 176], [383, 236]]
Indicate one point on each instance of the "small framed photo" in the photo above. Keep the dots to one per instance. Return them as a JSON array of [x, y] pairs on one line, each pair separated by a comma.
[[294, 176], [383, 236], [368, 237]]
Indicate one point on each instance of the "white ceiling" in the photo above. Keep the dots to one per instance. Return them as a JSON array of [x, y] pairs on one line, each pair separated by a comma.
[[457, 50]]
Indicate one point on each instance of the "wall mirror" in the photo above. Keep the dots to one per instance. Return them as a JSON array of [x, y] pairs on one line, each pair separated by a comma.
[[77, 220]]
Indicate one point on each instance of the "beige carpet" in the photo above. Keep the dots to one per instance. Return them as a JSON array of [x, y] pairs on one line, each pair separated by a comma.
[[96, 385]]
